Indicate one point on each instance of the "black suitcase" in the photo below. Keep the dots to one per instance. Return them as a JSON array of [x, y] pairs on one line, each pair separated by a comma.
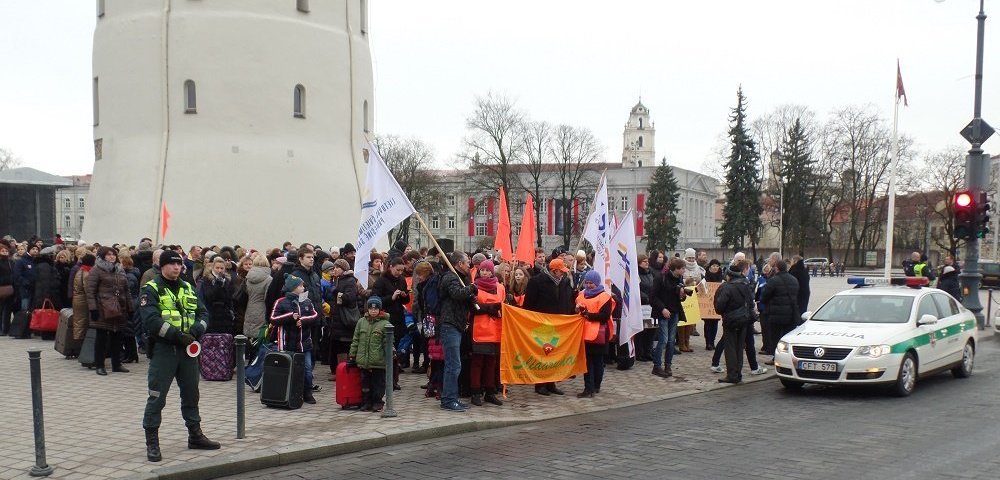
[[65, 343], [86, 355], [283, 380], [20, 325]]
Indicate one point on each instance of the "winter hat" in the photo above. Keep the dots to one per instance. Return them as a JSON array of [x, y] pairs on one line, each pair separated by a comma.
[[690, 253], [735, 268], [948, 269], [478, 258], [486, 265], [328, 265], [281, 260], [292, 282], [593, 277], [340, 262], [558, 264], [347, 249], [373, 302], [170, 256]]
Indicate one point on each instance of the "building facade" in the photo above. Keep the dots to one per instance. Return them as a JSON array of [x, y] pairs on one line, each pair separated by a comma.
[[28, 203], [202, 109], [71, 207]]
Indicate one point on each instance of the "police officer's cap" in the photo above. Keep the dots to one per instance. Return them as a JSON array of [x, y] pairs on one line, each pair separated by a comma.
[[170, 256]]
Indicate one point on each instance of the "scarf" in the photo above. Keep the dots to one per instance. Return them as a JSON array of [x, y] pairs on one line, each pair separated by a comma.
[[108, 266], [595, 278], [86, 268], [593, 292], [487, 284]]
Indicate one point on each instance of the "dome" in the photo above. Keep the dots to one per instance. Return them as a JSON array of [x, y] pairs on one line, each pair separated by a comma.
[[640, 108]]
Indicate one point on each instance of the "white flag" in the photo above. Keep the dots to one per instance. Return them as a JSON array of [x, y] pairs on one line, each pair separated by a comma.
[[625, 274], [598, 232], [383, 206]]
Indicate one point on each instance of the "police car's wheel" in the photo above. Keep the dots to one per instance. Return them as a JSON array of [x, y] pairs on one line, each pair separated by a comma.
[[907, 379], [964, 369], [791, 384]]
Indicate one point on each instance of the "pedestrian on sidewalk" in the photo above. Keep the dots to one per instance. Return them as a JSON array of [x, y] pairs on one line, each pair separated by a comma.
[[175, 318], [456, 302], [486, 336], [293, 318], [734, 301], [666, 302], [368, 353], [110, 307], [595, 305]]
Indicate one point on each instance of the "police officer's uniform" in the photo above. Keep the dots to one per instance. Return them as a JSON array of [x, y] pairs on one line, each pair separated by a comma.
[[173, 319]]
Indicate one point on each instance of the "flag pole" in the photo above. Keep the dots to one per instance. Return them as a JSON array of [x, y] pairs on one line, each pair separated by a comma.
[[892, 188], [438, 247]]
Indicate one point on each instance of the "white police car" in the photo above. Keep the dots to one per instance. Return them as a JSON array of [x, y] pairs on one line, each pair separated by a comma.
[[880, 334]]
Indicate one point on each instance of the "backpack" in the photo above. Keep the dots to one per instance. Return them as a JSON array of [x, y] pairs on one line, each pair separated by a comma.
[[432, 306]]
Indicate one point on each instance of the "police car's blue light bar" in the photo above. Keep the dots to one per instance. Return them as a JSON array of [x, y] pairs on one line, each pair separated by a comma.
[[882, 281]]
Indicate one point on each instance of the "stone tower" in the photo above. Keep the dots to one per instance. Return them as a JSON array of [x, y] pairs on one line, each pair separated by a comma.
[[639, 135]]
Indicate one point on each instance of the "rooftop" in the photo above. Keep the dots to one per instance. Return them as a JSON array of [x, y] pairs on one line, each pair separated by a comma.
[[30, 176]]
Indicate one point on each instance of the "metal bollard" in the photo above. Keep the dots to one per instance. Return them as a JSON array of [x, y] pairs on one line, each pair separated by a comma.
[[241, 375], [388, 411], [41, 468]]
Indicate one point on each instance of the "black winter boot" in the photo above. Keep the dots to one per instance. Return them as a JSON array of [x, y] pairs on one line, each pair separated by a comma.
[[198, 440], [153, 445], [477, 399]]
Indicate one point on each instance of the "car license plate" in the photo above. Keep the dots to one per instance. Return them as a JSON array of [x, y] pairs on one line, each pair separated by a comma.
[[818, 366]]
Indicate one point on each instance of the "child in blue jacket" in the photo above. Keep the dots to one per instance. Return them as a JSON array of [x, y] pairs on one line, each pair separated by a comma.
[[293, 317]]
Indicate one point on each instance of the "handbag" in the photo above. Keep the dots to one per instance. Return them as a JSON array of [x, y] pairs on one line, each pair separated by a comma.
[[45, 319], [6, 291]]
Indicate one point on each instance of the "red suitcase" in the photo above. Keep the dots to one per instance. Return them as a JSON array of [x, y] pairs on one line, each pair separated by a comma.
[[348, 386]]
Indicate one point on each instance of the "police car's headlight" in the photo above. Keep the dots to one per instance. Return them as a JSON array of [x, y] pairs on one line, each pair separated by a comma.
[[874, 351], [782, 347]]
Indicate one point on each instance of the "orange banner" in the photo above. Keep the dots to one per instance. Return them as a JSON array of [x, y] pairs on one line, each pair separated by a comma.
[[706, 303], [540, 347]]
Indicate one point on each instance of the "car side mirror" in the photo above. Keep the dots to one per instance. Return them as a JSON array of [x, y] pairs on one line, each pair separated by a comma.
[[927, 319], [806, 316]]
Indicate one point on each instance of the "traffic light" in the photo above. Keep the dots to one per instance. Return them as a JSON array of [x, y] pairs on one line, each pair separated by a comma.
[[982, 216], [965, 216]]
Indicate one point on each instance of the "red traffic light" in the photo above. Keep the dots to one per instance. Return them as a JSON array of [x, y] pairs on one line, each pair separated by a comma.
[[963, 199]]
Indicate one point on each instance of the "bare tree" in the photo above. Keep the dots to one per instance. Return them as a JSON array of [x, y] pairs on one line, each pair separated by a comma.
[[494, 144], [933, 189], [575, 151], [537, 154], [410, 160], [8, 159]]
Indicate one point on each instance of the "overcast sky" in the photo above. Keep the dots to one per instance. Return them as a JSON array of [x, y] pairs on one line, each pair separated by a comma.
[[578, 62]]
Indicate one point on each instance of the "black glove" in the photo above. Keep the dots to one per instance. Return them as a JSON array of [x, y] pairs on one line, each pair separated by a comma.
[[185, 339], [94, 316], [352, 363], [197, 330], [474, 289]]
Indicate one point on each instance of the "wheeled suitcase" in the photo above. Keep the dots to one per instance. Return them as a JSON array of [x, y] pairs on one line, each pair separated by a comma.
[[86, 356], [348, 386], [216, 359], [65, 343], [20, 325], [283, 382]]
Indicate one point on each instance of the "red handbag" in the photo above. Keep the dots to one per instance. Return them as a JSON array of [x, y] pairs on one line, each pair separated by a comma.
[[45, 319]]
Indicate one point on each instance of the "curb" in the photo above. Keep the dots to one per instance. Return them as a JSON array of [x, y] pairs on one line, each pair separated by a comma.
[[252, 460]]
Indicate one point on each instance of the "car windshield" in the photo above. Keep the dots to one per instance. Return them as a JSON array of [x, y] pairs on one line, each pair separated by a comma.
[[865, 309], [990, 267]]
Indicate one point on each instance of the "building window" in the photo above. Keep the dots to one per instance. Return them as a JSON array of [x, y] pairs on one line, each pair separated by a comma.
[[81, 221], [517, 227], [451, 200], [624, 204], [364, 17], [66, 221], [543, 206], [365, 112], [299, 102], [481, 208], [190, 97], [100, 8], [518, 207], [640, 123], [640, 141], [451, 222], [97, 104], [66, 204], [82, 202], [302, 5], [481, 229], [436, 222]]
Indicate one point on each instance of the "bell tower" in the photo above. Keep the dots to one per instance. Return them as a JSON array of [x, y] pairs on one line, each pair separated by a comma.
[[638, 138]]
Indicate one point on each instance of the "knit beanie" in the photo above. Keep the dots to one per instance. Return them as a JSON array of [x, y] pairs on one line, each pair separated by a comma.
[[328, 265], [593, 277], [486, 265], [373, 302], [292, 282], [340, 262]]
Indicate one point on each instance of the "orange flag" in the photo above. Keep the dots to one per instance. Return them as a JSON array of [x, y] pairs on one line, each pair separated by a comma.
[[540, 347], [164, 221], [502, 242], [526, 237]]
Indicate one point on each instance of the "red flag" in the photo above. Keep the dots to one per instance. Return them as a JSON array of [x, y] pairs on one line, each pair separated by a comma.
[[526, 237], [900, 91], [164, 221], [502, 242]]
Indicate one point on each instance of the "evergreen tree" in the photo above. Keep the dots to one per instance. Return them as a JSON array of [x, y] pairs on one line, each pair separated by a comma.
[[661, 210], [799, 220], [741, 215]]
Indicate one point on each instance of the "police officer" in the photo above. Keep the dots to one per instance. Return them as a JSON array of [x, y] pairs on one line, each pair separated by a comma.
[[174, 318]]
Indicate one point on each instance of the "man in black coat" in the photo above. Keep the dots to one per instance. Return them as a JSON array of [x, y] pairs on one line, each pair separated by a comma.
[[780, 297], [550, 292], [734, 301], [798, 270], [457, 297], [666, 302]]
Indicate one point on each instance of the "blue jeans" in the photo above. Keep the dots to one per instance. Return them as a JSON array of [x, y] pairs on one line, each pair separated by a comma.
[[309, 370], [451, 342], [666, 339]]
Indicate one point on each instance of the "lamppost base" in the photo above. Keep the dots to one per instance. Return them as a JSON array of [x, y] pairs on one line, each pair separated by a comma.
[[389, 413], [37, 471]]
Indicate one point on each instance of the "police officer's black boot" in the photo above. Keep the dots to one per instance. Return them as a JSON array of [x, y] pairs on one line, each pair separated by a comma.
[[199, 441], [153, 445]]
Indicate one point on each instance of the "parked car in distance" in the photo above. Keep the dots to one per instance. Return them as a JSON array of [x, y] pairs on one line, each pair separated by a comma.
[[991, 274], [819, 262]]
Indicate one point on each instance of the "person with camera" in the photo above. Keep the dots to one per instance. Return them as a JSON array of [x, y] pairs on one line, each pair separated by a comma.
[[734, 301], [666, 302], [175, 318]]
